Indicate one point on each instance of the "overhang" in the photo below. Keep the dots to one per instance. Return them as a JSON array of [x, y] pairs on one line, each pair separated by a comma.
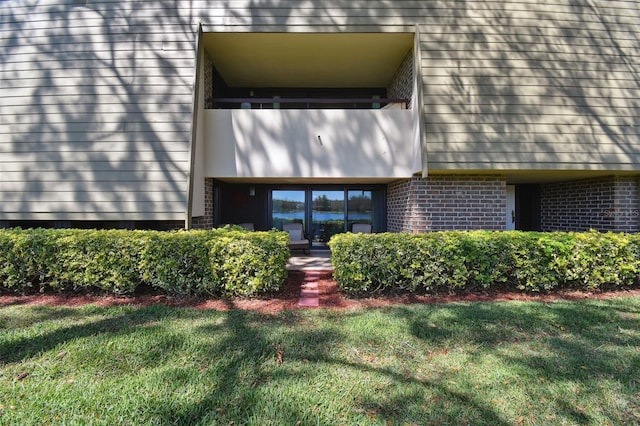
[[307, 60]]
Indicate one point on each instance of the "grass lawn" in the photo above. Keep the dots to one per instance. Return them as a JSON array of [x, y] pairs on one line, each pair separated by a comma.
[[511, 363]]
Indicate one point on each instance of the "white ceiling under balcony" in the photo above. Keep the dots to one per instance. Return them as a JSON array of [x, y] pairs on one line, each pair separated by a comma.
[[307, 60]]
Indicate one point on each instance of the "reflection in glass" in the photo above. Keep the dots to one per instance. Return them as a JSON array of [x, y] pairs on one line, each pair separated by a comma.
[[288, 207], [332, 211], [327, 215], [359, 208]]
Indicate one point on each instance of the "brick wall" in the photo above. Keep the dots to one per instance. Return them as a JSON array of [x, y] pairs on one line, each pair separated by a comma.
[[605, 204], [206, 221], [444, 202], [207, 80], [627, 208], [401, 85], [401, 206]]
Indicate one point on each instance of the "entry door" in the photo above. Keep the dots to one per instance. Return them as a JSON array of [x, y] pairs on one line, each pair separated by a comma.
[[528, 207], [510, 219]]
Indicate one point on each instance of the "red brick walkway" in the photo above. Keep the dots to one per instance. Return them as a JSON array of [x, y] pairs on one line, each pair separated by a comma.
[[309, 292]]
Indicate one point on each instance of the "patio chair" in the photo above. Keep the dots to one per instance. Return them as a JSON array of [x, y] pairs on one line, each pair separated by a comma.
[[361, 228], [298, 241], [248, 226]]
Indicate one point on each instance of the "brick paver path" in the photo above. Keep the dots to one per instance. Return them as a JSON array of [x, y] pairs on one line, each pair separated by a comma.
[[309, 293]]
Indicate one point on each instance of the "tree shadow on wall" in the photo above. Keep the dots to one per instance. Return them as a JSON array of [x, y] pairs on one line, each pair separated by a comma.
[[97, 109]]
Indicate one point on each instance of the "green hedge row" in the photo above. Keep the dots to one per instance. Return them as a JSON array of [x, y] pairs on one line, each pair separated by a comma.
[[228, 261], [529, 261]]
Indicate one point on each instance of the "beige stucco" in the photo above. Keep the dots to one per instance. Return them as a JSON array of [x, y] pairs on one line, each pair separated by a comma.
[[310, 144]]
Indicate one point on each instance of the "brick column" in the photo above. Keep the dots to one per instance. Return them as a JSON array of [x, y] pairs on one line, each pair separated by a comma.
[[206, 221], [401, 85]]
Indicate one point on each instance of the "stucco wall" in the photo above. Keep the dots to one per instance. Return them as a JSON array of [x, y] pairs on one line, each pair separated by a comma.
[[309, 143]]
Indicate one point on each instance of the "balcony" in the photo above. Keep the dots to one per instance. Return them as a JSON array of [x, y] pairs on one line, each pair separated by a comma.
[[311, 138], [300, 107]]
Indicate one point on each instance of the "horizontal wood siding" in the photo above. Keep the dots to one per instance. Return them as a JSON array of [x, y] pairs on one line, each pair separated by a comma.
[[526, 84], [95, 110], [95, 96], [533, 85]]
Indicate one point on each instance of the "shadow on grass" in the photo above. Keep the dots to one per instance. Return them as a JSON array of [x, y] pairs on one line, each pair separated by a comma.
[[246, 359], [582, 343], [254, 367], [125, 322], [36, 314], [254, 358]]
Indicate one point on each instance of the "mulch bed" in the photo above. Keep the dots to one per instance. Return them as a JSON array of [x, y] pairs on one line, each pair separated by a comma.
[[287, 298]]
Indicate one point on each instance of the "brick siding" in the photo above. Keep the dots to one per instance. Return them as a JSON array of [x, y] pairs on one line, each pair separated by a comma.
[[401, 85], [401, 202], [604, 204], [207, 80], [206, 221], [627, 208], [444, 202]]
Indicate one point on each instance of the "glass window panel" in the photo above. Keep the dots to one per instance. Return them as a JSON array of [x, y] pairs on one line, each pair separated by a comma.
[[359, 208], [288, 207]]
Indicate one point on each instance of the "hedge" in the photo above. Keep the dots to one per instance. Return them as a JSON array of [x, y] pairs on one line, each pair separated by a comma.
[[227, 261], [452, 261]]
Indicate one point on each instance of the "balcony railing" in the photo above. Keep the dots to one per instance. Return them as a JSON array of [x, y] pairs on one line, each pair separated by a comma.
[[307, 103]]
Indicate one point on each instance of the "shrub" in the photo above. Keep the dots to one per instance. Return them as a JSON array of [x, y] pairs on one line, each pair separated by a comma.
[[177, 262], [104, 259], [604, 259], [486, 256], [370, 263], [228, 261], [24, 258], [529, 261], [247, 263], [69, 259], [225, 261], [540, 261]]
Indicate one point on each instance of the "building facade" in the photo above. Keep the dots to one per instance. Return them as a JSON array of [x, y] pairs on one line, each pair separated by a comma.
[[409, 115]]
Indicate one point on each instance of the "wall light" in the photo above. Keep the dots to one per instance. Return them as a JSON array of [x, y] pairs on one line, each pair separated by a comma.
[[252, 191]]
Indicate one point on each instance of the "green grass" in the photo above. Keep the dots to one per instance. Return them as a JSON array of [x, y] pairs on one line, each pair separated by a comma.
[[476, 363]]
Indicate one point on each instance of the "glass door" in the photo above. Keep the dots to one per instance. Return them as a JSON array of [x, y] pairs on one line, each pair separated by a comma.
[[288, 207], [326, 211], [327, 215]]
